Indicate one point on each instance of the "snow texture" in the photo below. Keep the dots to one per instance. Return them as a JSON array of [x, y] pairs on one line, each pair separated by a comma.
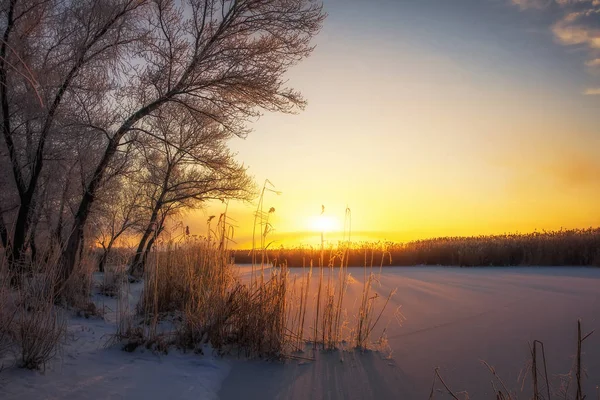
[[455, 317], [87, 369]]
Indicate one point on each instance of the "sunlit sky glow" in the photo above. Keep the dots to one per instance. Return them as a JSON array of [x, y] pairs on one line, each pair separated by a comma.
[[433, 118]]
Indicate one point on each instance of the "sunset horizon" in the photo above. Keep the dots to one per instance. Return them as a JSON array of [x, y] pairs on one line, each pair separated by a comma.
[[484, 122]]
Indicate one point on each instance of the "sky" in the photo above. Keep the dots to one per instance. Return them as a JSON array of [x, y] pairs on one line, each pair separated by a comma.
[[433, 118]]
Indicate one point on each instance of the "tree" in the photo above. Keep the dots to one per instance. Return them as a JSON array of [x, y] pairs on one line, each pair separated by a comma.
[[117, 216], [187, 162], [221, 60], [99, 71], [71, 48]]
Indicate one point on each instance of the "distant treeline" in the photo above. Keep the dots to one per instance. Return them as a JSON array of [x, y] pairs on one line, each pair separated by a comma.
[[579, 247]]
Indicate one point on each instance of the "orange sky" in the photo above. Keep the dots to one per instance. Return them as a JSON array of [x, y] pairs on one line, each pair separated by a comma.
[[425, 125]]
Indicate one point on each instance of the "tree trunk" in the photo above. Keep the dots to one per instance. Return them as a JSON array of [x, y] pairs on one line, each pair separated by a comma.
[[3, 232], [69, 253], [17, 251], [146, 252], [139, 260], [58, 230], [142, 245], [105, 254], [33, 247], [157, 232], [7, 130], [67, 261]]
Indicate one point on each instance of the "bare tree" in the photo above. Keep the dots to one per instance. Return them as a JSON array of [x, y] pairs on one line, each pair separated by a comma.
[[71, 48], [224, 60], [117, 216], [98, 72], [187, 162]]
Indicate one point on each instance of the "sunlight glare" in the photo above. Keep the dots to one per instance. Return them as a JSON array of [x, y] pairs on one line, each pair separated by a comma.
[[323, 223]]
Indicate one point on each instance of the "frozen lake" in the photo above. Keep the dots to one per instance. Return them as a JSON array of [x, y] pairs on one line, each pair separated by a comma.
[[455, 317]]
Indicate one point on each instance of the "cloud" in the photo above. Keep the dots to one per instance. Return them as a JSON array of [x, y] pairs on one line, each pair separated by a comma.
[[592, 92], [593, 62], [539, 4], [575, 170], [558, 171], [524, 4], [575, 2], [572, 30], [577, 25]]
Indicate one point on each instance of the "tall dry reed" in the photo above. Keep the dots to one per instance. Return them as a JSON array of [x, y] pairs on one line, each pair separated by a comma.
[[576, 247]]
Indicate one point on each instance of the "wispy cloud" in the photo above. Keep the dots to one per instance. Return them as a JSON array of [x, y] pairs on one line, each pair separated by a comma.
[[574, 2], [524, 4], [592, 92], [577, 25], [572, 29], [595, 62], [574, 169]]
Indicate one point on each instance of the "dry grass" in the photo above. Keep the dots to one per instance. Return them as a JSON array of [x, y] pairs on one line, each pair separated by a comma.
[[570, 385], [192, 297], [31, 325], [39, 335], [368, 317], [113, 280], [8, 312], [76, 291], [577, 247], [437, 377], [195, 289], [40, 326], [331, 326]]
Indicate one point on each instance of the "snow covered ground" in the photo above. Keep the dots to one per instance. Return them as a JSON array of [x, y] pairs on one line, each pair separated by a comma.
[[88, 369], [455, 317]]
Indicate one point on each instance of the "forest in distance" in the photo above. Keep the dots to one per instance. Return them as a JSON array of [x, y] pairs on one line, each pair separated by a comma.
[[574, 247]]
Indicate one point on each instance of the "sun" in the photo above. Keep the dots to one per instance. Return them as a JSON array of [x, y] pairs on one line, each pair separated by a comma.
[[323, 223]]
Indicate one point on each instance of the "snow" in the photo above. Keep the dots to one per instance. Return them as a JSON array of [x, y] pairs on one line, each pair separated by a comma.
[[455, 317], [90, 369]]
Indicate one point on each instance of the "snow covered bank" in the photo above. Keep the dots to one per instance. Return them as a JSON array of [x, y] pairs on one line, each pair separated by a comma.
[[454, 319], [87, 369]]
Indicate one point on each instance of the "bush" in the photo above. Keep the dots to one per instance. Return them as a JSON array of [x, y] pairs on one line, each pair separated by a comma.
[[39, 327], [7, 318], [112, 282], [39, 335]]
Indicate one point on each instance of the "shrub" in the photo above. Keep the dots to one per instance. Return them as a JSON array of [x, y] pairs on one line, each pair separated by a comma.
[[112, 282], [7, 318], [39, 335], [39, 326]]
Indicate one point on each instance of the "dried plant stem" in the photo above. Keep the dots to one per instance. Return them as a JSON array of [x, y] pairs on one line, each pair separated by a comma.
[[578, 372], [436, 375], [534, 369], [495, 374]]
